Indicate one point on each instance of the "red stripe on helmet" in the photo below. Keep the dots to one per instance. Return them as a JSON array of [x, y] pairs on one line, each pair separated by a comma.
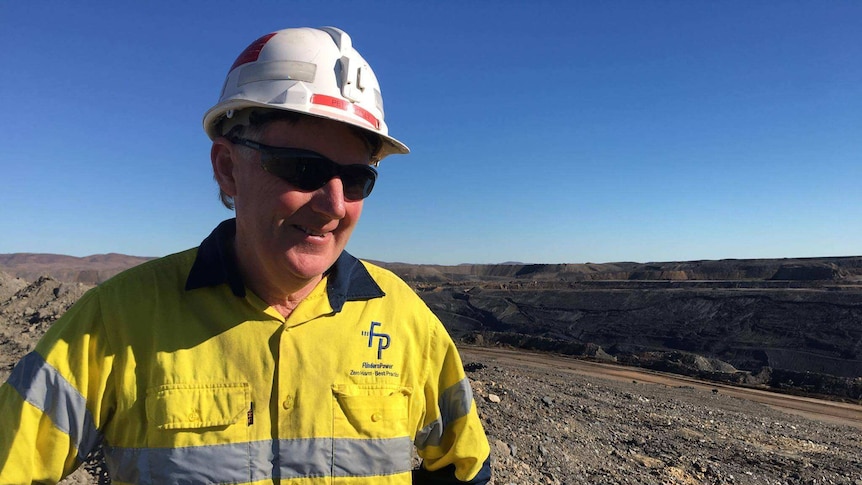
[[252, 52], [345, 106]]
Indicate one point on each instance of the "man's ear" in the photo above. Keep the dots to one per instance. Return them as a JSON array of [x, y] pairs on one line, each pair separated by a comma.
[[223, 157]]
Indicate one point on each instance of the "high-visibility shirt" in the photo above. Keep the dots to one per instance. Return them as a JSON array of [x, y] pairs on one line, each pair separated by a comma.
[[185, 377]]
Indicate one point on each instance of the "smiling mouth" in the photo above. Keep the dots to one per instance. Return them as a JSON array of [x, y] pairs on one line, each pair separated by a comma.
[[311, 232]]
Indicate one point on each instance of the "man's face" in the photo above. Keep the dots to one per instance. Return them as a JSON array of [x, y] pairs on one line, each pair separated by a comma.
[[289, 235]]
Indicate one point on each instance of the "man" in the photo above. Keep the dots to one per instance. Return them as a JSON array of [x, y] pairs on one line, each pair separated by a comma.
[[268, 354]]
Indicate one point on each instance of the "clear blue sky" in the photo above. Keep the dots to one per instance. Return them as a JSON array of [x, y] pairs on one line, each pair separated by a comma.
[[544, 132]]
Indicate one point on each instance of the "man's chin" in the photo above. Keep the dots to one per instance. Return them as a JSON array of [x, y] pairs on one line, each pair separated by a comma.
[[310, 266]]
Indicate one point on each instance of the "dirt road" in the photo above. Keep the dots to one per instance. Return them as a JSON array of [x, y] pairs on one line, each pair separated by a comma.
[[819, 409]]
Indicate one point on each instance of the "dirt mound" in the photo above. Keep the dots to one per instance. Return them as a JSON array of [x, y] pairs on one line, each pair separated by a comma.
[[9, 285], [27, 313]]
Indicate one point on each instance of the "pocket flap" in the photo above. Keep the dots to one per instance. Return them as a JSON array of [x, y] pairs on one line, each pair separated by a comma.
[[371, 410], [190, 406]]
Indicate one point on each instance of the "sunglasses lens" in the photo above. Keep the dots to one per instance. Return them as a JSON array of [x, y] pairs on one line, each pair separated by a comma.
[[305, 173], [358, 181], [313, 173]]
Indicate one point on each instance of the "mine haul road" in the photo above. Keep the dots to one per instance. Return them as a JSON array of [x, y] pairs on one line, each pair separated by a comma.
[[819, 409]]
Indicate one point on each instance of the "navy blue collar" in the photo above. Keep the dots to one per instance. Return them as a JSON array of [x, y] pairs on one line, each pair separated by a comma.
[[215, 264]]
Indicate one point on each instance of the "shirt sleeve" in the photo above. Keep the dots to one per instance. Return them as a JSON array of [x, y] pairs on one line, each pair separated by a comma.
[[52, 403], [452, 442]]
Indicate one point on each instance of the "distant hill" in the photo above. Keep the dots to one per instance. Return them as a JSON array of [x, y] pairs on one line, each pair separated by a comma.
[[71, 269], [97, 268], [786, 269]]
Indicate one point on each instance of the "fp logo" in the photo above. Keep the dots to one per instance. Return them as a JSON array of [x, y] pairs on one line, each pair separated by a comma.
[[382, 344]]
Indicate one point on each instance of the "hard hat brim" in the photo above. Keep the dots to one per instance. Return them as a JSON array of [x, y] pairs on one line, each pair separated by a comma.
[[214, 116]]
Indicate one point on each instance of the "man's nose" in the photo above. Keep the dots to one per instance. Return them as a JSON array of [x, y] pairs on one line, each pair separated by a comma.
[[329, 199]]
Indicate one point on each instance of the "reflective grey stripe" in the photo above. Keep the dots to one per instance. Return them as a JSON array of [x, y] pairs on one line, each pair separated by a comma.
[[42, 386], [277, 70], [249, 462], [232, 463], [431, 435], [455, 402], [372, 457], [304, 457]]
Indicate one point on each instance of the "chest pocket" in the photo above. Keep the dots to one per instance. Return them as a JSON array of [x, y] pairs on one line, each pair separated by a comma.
[[198, 414], [371, 437], [370, 411]]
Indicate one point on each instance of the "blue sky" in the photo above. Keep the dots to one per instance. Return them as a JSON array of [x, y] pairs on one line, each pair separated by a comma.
[[542, 132]]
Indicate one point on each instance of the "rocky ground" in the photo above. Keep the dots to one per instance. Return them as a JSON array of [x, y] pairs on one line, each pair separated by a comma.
[[550, 426], [547, 425]]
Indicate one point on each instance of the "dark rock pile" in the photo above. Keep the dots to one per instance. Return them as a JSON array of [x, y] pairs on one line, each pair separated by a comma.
[[797, 339]]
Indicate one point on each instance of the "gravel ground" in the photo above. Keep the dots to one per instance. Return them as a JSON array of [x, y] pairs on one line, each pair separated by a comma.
[[549, 426]]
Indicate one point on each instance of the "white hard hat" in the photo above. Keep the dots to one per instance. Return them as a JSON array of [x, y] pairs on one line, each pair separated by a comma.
[[311, 71]]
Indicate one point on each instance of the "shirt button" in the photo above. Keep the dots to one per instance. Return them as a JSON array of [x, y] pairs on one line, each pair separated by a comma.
[[287, 403], [376, 417], [194, 417]]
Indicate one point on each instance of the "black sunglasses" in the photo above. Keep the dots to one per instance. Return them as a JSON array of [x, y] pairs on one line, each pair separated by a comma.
[[310, 170]]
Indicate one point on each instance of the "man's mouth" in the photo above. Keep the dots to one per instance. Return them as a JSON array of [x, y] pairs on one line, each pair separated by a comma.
[[311, 232]]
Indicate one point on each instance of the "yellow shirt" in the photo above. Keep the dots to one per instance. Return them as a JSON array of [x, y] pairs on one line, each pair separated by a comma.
[[183, 376]]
